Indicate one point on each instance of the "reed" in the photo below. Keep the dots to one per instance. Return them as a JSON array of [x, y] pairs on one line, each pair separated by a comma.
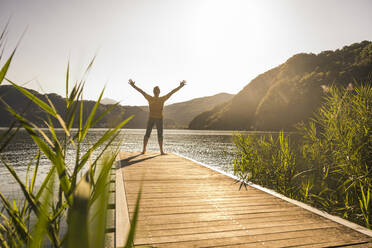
[[74, 195], [327, 164]]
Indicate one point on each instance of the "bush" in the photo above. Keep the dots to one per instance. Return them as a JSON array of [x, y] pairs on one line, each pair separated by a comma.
[[328, 165]]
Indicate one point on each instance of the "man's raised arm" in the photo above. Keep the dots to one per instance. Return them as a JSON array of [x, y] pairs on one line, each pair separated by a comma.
[[182, 83], [132, 83]]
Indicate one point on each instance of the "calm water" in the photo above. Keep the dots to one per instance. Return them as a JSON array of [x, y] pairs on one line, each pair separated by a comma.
[[213, 148]]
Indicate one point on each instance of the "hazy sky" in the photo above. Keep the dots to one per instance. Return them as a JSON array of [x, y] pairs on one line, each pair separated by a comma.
[[217, 46]]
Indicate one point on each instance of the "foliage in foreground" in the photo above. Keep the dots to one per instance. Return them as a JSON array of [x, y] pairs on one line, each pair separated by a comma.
[[72, 195], [328, 165]]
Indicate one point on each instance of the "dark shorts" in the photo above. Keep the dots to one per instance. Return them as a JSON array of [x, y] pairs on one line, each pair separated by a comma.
[[159, 127]]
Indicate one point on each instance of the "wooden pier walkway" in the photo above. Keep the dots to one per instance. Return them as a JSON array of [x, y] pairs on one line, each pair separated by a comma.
[[185, 204]]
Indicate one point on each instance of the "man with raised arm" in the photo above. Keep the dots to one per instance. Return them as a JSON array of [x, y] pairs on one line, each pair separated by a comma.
[[156, 104]]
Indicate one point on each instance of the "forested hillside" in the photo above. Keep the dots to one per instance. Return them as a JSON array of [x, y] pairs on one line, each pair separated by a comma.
[[291, 92], [177, 115], [183, 112], [30, 111]]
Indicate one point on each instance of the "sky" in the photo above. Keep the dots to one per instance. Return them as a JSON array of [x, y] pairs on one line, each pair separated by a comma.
[[215, 45]]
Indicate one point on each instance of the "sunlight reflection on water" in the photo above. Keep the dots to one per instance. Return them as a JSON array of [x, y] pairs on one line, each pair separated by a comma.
[[213, 148]]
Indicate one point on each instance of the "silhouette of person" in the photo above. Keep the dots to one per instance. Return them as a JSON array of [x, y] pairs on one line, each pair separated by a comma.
[[156, 104]]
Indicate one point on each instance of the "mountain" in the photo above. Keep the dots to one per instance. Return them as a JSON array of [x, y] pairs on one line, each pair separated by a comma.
[[184, 112], [32, 112], [291, 92], [108, 101], [177, 115]]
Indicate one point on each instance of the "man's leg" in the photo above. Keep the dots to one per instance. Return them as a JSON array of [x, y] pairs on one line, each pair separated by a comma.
[[145, 140], [161, 147], [159, 127], [150, 124]]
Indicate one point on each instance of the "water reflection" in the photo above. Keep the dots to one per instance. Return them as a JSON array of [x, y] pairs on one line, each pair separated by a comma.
[[213, 148]]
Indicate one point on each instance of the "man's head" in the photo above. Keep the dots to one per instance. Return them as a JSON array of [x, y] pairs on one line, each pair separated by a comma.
[[156, 91]]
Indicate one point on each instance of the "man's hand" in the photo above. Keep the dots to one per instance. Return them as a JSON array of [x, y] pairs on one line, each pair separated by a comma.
[[131, 82], [183, 83]]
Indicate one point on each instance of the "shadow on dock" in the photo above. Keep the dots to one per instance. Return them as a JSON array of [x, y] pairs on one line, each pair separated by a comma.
[[134, 160]]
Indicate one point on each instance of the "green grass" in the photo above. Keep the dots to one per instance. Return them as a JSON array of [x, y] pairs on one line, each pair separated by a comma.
[[75, 195], [327, 165]]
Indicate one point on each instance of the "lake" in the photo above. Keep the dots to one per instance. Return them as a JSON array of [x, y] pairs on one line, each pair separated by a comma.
[[214, 148]]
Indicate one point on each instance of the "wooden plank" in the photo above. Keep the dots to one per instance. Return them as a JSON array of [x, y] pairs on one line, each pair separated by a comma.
[[185, 204], [267, 227], [258, 222], [122, 214], [286, 239], [206, 208], [230, 233]]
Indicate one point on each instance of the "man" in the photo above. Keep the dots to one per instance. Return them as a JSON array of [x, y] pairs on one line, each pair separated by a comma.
[[156, 104]]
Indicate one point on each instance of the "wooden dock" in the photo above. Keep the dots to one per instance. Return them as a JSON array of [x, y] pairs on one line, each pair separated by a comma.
[[185, 204]]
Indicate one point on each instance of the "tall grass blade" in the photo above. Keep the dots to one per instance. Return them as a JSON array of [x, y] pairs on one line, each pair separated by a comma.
[[77, 234], [67, 83], [99, 202], [17, 223], [8, 135], [91, 116], [104, 138], [104, 113], [5, 67], [41, 226], [55, 157], [33, 180], [133, 223], [35, 99]]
